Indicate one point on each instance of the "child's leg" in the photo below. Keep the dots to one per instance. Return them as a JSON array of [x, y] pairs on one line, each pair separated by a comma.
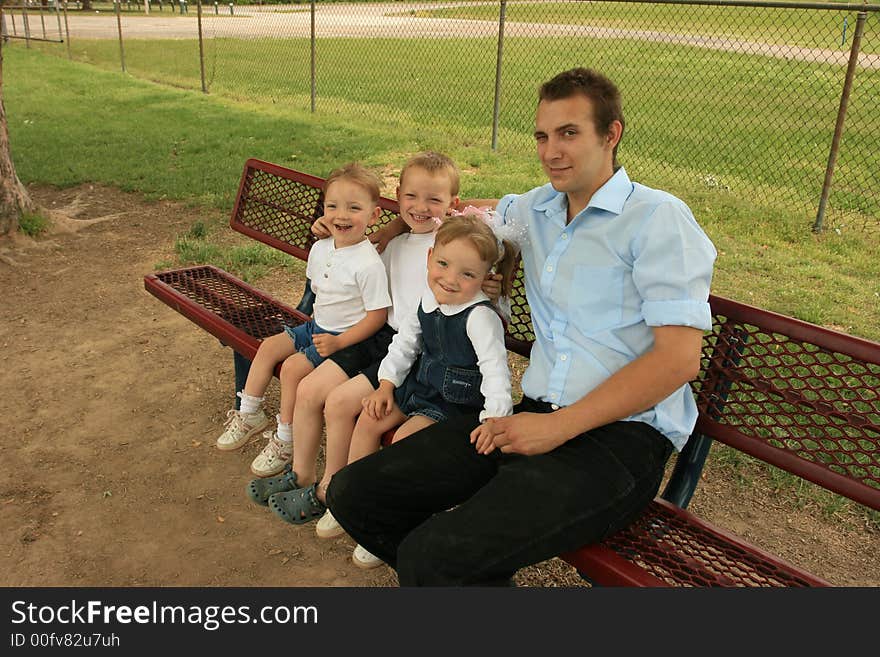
[[250, 420], [340, 414], [368, 432], [272, 351], [411, 426], [308, 417], [279, 450]]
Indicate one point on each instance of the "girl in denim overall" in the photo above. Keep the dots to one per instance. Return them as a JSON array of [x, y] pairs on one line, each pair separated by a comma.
[[448, 358]]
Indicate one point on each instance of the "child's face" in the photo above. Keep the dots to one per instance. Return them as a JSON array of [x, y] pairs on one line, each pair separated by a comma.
[[455, 271], [348, 211], [424, 196]]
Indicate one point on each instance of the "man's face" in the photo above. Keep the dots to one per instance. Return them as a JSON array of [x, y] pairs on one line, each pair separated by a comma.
[[576, 159]]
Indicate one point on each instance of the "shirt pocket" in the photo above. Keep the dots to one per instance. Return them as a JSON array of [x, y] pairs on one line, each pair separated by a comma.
[[596, 298]]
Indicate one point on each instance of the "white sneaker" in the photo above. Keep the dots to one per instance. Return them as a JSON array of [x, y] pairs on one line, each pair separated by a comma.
[[240, 428], [275, 455], [364, 559], [327, 526]]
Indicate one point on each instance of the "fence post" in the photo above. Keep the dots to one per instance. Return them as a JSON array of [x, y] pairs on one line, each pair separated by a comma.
[[841, 115], [119, 27], [314, 84], [496, 109], [201, 48], [67, 31], [27, 26]]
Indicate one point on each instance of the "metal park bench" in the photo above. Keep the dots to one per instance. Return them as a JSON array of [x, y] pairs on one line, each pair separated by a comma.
[[797, 396]]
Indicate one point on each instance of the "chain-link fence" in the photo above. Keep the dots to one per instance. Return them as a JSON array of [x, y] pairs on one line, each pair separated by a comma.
[[762, 100]]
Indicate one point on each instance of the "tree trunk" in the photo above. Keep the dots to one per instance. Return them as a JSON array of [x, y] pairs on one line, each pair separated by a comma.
[[14, 199]]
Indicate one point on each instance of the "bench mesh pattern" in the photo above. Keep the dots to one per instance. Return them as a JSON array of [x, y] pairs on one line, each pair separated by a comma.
[[285, 208], [818, 404], [684, 554], [226, 298], [281, 208]]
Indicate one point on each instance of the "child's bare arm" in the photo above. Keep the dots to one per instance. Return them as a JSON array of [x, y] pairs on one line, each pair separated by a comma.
[[328, 344], [388, 232]]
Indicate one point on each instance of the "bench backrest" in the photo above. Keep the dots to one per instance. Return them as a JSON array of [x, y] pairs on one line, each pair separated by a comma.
[[803, 398], [795, 395]]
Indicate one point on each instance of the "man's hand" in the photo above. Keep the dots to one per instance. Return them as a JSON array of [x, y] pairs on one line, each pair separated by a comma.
[[379, 403], [492, 286], [320, 229], [524, 433], [326, 343]]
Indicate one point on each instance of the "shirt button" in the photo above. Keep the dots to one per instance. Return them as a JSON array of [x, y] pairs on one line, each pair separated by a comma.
[[553, 396], [328, 264], [565, 236], [563, 357], [549, 267]]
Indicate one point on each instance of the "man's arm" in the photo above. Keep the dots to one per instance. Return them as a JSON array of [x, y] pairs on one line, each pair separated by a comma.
[[649, 379]]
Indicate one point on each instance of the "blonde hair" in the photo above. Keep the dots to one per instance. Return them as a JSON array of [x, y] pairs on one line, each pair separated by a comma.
[[474, 229], [359, 175], [434, 163]]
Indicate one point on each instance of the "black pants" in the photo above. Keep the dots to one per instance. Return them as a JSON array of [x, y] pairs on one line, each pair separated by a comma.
[[443, 515]]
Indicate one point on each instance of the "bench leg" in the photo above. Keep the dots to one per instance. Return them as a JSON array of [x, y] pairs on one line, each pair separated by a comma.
[[242, 367], [686, 474]]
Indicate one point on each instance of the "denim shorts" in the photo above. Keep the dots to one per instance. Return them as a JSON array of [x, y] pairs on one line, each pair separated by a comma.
[[302, 340]]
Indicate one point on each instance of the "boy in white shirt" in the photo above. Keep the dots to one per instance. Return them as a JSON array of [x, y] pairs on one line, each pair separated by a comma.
[[351, 304]]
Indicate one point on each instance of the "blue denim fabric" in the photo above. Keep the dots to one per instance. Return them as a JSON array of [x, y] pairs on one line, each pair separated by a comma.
[[302, 340], [445, 381]]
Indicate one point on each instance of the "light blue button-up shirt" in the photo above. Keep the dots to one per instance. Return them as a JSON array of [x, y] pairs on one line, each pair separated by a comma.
[[634, 258]]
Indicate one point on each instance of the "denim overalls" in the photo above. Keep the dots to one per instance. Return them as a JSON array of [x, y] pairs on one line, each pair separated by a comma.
[[445, 380]]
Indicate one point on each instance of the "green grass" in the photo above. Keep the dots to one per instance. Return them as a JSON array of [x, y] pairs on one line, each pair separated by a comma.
[[71, 123], [693, 115], [33, 225], [818, 28]]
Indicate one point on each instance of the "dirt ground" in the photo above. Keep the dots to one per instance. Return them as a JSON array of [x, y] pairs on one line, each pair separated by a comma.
[[112, 401]]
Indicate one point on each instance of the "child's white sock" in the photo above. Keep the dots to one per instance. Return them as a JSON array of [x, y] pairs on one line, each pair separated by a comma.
[[249, 404], [285, 432]]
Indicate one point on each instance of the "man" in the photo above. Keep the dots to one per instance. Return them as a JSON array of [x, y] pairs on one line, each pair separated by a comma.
[[617, 278]]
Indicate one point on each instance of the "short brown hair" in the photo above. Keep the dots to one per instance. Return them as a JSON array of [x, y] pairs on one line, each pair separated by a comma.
[[474, 229], [359, 175], [434, 163], [602, 92]]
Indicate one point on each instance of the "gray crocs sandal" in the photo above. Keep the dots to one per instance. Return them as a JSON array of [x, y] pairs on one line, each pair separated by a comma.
[[260, 490], [297, 506]]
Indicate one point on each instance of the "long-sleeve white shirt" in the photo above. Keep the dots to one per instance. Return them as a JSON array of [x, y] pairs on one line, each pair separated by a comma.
[[486, 334]]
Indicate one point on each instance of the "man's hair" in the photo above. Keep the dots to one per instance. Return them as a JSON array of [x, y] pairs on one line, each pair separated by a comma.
[[602, 92], [434, 163], [474, 229], [359, 175]]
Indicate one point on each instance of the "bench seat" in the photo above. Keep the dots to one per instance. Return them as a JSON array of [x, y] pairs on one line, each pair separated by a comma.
[[669, 546], [238, 315]]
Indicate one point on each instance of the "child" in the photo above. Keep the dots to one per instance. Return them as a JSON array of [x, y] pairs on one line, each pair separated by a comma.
[[427, 192], [456, 341], [351, 304]]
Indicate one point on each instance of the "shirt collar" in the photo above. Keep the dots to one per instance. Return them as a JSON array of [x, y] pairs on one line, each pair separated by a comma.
[[429, 303], [610, 197]]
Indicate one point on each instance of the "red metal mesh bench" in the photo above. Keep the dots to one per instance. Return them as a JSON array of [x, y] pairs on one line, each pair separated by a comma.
[[792, 394], [797, 396]]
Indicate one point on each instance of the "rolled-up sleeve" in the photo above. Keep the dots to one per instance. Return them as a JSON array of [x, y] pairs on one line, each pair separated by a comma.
[[672, 268]]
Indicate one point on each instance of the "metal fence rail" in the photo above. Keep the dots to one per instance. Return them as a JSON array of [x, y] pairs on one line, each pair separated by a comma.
[[772, 102]]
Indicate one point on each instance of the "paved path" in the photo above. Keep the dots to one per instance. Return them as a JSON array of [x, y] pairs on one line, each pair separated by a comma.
[[391, 20]]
